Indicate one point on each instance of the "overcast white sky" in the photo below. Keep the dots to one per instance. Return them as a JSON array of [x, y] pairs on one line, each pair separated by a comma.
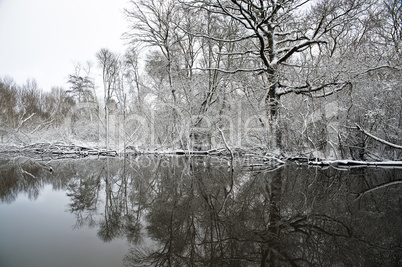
[[42, 39]]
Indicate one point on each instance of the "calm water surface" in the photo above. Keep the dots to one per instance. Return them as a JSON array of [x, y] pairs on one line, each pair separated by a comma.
[[194, 212]]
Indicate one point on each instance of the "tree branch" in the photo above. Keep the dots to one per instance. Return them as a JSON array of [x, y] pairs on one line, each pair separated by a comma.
[[308, 89], [228, 148], [377, 138], [233, 71]]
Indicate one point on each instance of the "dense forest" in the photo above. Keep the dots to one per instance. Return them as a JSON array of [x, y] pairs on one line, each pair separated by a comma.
[[317, 78]]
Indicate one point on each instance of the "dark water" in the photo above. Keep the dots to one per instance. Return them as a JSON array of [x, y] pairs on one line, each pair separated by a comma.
[[194, 212]]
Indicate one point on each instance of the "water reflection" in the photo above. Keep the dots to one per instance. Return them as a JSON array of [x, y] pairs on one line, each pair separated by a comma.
[[194, 212]]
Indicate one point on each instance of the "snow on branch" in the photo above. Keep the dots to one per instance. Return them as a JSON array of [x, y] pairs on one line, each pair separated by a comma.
[[201, 35], [297, 48], [308, 89], [325, 94], [239, 53], [233, 71], [377, 138], [22, 121], [291, 40], [378, 68]]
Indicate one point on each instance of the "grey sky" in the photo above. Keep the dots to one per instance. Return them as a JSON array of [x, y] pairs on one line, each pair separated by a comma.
[[42, 39]]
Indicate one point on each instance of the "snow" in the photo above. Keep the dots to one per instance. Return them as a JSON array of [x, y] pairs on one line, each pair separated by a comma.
[[357, 163]]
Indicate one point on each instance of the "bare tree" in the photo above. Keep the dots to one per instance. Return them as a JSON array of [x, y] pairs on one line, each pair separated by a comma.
[[110, 65], [153, 24], [133, 77], [82, 86], [392, 32], [8, 95], [163, 27]]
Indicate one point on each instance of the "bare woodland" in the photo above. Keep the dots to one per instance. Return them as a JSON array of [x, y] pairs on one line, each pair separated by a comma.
[[289, 77]]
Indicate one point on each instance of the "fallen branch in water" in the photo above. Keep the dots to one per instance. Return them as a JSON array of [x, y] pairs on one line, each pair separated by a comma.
[[274, 159], [177, 152]]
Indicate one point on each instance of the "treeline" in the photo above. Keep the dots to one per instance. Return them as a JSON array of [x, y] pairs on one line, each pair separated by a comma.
[[26, 109], [285, 76]]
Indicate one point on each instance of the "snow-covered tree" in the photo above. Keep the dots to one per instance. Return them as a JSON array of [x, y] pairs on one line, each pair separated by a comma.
[[110, 64], [277, 35]]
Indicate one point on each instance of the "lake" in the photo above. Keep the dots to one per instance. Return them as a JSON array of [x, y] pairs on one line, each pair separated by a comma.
[[180, 211]]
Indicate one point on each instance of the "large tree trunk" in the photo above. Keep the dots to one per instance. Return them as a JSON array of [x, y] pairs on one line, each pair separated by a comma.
[[272, 101]]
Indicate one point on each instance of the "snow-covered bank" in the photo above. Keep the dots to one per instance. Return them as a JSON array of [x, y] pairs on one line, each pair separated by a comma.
[[57, 150], [259, 157]]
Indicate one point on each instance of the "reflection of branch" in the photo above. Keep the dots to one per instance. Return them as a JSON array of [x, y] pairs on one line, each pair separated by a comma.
[[227, 194], [379, 187], [377, 138], [318, 222], [30, 174], [284, 255]]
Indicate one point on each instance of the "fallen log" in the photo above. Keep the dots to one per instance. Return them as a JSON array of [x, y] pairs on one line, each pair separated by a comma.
[[356, 163], [181, 152], [60, 150]]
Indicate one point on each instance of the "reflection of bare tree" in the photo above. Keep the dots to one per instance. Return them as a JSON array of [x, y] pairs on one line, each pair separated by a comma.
[[122, 200], [111, 225], [194, 212], [286, 217], [84, 196], [28, 176]]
